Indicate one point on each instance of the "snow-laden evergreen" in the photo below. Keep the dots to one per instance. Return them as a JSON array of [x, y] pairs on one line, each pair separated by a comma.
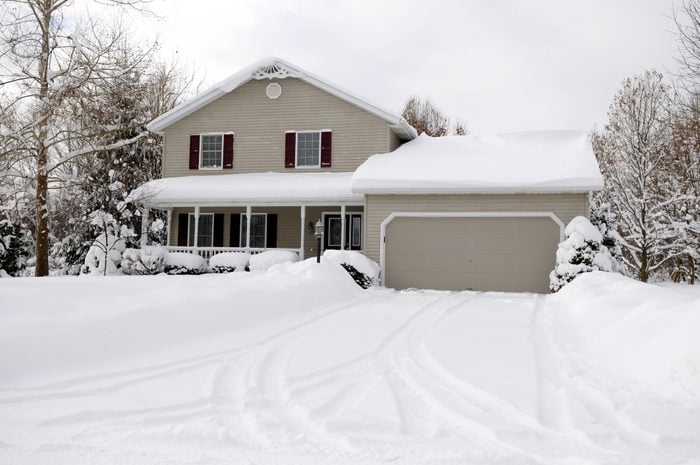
[[582, 251]]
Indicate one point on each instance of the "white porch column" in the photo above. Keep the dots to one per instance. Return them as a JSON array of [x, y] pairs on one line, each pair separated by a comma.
[[303, 231], [248, 212], [342, 227], [196, 228], [144, 226], [170, 222]]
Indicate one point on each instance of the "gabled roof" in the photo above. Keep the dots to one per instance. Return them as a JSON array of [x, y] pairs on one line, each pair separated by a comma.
[[276, 68], [522, 162]]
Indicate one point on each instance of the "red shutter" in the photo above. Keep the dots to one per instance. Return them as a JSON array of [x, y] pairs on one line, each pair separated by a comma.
[[326, 149], [290, 149], [228, 151], [194, 152]]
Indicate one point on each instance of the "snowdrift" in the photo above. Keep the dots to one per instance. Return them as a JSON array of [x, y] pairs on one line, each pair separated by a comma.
[[643, 333]]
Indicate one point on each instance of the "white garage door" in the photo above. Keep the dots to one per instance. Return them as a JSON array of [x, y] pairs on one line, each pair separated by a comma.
[[456, 253]]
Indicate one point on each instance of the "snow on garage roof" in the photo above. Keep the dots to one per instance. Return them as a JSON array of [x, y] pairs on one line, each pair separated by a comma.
[[249, 188], [523, 162], [276, 68]]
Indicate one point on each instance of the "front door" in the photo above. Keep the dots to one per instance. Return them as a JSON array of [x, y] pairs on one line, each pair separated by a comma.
[[353, 231]]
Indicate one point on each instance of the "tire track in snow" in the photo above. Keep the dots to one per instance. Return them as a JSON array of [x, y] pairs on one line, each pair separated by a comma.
[[559, 384], [117, 380]]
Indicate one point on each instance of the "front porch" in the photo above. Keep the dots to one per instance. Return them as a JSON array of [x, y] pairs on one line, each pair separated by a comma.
[[256, 228], [254, 212]]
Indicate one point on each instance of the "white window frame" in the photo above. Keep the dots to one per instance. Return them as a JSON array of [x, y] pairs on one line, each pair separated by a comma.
[[296, 151], [190, 220], [243, 230], [201, 151]]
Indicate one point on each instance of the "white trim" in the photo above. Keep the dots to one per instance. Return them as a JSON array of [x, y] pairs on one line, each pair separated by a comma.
[[201, 152], [396, 123], [450, 190], [489, 214], [296, 150], [342, 227], [302, 214], [261, 203]]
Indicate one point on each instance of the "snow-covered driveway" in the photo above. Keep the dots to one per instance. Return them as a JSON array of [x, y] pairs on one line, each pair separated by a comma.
[[301, 366]]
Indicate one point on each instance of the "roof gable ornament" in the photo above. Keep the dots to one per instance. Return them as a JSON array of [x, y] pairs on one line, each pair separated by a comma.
[[274, 71]]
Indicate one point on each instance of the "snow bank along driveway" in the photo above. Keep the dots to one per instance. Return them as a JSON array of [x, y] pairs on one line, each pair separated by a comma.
[[300, 366]]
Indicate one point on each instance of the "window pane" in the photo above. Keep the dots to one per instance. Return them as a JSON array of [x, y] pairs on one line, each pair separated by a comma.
[[257, 230], [206, 230], [212, 149], [308, 149], [334, 228], [356, 230]]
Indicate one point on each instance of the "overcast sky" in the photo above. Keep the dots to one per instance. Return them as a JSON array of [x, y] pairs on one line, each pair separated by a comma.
[[499, 65]]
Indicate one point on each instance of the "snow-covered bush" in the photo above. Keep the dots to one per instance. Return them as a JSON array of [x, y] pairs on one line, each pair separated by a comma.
[[580, 252], [145, 261], [605, 220], [104, 256], [185, 263], [13, 248], [264, 260], [364, 271], [229, 262]]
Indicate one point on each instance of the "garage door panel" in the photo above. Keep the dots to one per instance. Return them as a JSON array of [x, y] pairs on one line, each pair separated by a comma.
[[510, 254]]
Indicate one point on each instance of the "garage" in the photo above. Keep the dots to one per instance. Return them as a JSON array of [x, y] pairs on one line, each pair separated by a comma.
[[464, 251], [475, 212]]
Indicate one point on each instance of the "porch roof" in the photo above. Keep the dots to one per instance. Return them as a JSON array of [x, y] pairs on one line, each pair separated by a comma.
[[250, 189]]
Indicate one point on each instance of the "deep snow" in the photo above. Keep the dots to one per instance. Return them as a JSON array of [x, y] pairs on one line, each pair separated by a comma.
[[518, 162], [298, 365]]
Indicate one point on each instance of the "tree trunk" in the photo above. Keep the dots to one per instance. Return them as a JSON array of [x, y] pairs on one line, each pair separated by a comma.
[[643, 266], [42, 175]]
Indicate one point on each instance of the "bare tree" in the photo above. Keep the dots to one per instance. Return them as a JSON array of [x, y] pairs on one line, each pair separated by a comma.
[[633, 151], [426, 118], [45, 61]]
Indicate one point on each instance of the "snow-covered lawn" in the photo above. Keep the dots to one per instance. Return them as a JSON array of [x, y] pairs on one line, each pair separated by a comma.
[[300, 366]]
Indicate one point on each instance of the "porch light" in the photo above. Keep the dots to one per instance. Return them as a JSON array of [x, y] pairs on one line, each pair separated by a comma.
[[318, 232]]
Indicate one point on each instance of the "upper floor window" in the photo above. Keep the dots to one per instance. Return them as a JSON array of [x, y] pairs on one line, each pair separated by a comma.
[[212, 151], [309, 149]]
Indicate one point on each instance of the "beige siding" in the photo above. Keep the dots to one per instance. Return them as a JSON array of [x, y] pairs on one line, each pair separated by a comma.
[[260, 124], [394, 141], [378, 207], [288, 224]]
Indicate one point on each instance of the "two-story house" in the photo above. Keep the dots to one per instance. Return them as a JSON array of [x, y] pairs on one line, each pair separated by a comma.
[[255, 161]]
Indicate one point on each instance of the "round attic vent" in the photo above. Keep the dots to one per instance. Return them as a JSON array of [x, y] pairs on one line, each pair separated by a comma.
[[273, 90]]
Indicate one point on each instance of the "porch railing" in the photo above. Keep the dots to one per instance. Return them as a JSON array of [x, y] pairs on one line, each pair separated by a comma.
[[208, 252]]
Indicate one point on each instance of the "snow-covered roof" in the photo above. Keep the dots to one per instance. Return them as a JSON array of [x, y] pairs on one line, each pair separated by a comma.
[[276, 68], [249, 188], [522, 162]]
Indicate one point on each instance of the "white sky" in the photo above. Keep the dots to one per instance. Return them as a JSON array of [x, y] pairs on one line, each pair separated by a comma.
[[499, 65]]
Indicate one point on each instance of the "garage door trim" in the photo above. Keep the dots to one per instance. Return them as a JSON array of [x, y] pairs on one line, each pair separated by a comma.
[[490, 214]]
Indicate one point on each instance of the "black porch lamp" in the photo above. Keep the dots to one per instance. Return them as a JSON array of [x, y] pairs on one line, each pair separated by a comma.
[[318, 232]]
